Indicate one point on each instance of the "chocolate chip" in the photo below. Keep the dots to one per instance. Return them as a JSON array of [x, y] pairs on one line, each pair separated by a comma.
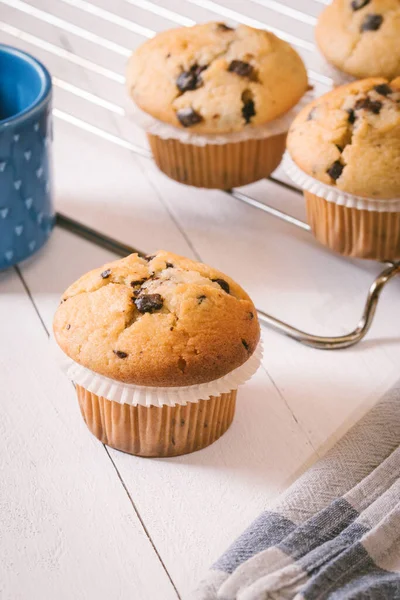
[[241, 68], [224, 27], [138, 282], [371, 23], [335, 170], [190, 80], [383, 89], [149, 303], [251, 316], [248, 109], [362, 103], [169, 265], [201, 298], [171, 328], [68, 327], [352, 115], [105, 274], [311, 114], [135, 294], [245, 344], [222, 283], [186, 81], [373, 106], [149, 257], [357, 4], [168, 55], [188, 117], [181, 364], [120, 354], [199, 69]]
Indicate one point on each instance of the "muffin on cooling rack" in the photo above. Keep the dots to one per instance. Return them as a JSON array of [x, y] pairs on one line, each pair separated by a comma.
[[157, 348], [344, 151], [361, 37], [216, 102]]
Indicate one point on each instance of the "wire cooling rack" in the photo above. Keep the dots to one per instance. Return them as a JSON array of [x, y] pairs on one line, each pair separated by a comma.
[[280, 13]]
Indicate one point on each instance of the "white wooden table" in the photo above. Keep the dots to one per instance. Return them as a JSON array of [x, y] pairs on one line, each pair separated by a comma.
[[81, 521]]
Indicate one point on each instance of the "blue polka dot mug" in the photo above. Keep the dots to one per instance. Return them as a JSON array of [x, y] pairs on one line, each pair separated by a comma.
[[26, 208]]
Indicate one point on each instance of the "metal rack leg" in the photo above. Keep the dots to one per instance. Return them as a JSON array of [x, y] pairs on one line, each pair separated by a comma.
[[342, 341]]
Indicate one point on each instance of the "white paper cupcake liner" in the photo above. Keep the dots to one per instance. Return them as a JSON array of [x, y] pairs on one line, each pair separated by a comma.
[[134, 395], [166, 131], [334, 195]]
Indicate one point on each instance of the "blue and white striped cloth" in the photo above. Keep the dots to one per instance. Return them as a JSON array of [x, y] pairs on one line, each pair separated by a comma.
[[334, 534]]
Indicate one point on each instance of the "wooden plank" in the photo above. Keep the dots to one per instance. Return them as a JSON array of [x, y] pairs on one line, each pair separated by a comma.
[[69, 529], [113, 195]]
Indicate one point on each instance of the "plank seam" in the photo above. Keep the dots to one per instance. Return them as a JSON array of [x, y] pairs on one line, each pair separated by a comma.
[[290, 410], [142, 523], [27, 290]]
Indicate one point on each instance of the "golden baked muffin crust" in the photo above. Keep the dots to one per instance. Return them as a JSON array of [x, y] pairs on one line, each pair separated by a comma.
[[361, 37], [350, 138], [213, 79], [161, 321]]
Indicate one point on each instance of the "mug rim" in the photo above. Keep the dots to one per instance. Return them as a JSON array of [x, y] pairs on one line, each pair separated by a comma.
[[46, 85]]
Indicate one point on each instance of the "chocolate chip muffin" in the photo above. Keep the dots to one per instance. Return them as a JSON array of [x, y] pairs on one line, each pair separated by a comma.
[[215, 79], [162, 321], [349, 140], [361, 37], [212, 79]]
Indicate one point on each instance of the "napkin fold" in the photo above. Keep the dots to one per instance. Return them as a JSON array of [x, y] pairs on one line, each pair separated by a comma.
[[334, 534]]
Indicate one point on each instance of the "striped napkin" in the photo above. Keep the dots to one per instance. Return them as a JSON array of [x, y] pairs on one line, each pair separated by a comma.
[[334, 534]]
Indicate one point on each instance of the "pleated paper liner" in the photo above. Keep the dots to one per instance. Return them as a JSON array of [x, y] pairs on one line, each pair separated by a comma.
[[348, 224], [155, 431], [354, 232], [218, 166], [220, 161], [156, 421], [134, 395]]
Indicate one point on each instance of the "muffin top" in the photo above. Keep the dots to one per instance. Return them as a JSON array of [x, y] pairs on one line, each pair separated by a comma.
[[350, 138], [361, 37], [163, 320], [215, 79]]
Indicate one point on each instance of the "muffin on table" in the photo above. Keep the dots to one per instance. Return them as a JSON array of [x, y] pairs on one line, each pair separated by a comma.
[[157, 348], [344, 150], [361, 37], [216, 96]]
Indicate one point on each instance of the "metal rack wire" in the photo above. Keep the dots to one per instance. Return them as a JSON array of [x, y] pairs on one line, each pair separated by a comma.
[[222, 11]]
